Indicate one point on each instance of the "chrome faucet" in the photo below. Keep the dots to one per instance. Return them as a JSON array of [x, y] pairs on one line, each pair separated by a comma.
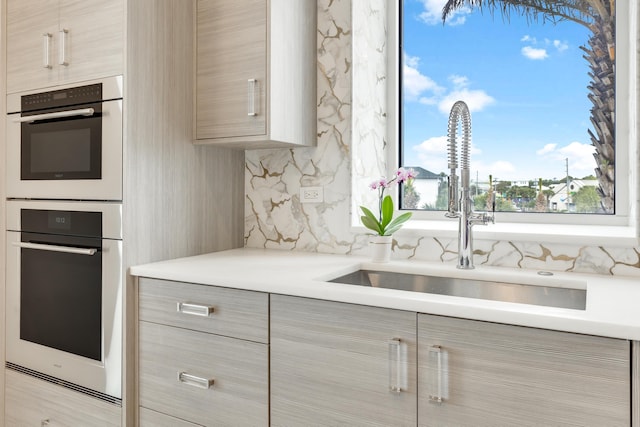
[[462, 208]]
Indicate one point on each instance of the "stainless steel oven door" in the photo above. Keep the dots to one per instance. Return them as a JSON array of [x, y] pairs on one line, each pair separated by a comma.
[[68, 153], [63, 321]]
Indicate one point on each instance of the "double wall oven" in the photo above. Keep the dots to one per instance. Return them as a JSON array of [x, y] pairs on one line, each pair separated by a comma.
[[64, 236]]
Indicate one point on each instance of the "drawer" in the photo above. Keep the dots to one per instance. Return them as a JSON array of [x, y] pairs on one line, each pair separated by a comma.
[[30, 401], [236, 313], [239, 394], [149, 418]]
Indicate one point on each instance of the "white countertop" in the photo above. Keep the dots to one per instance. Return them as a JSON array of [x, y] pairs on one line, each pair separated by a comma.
[[613, 304]]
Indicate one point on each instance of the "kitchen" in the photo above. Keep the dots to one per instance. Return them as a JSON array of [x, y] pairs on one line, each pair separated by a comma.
[[272, 219]]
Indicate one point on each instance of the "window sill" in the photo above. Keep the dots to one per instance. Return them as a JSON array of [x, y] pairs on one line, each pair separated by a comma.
[[580, 235]]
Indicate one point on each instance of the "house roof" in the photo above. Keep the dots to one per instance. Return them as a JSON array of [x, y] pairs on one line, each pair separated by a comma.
[[423, 173]]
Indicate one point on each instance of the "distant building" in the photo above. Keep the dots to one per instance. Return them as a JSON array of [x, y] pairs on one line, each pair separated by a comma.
[[558, 202], [426, 184]]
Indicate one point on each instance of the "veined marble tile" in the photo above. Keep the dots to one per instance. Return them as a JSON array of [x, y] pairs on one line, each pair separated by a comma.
[[350, 153]]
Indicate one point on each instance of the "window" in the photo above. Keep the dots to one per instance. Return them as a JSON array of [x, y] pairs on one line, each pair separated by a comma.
[[538, 108]]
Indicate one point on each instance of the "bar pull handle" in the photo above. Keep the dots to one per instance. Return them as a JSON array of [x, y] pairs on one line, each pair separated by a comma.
[[195, 309], [437, 396], [46, 42], [251, 97], [194, 381], [56, 248], [62, 57], [56, 115], [395, 365]]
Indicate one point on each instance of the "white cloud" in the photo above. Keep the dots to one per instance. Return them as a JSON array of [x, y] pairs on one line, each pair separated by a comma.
[[581, 161], [534, 53], [432, 13], [548, 148], [476, 100], [432, 154], [528, 38], [416, 83], [560, 45]]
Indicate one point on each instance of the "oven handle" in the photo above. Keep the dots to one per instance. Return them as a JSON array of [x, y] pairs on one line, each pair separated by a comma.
[[55, 248], [55, 115]]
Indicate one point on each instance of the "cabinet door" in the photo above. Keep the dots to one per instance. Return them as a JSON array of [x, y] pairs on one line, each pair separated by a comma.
[[203, 378], [341, 364], [33, 402], [93, 35], [231, 51], [32, 27], [490, 374]]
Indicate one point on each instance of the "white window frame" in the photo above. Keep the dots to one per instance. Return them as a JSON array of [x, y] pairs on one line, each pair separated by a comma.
[[619, 230]]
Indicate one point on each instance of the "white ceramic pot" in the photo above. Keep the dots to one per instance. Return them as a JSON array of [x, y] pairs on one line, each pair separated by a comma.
[[381, 248]]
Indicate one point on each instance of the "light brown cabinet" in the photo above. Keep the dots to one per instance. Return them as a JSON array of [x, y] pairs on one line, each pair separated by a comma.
[[52, 42], [487, 374], [330, 361], [341, 364], [203, 354], [256, 73], [32, 402]]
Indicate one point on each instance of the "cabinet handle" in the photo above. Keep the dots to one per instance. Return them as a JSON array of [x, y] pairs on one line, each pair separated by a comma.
[[87, 112], [437, 396], [194, 381], [46, 38], [251, 96], [195, 309], [395, 365], [62, 59], [56, 248]]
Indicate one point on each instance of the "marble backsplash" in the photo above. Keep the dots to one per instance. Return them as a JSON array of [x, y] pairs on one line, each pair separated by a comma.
[[349, 154]]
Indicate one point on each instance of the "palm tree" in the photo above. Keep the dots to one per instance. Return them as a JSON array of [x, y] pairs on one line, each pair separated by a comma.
[[599, 17]]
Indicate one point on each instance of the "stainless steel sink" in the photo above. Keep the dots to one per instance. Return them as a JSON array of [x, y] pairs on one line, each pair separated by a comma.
[[550, 296]]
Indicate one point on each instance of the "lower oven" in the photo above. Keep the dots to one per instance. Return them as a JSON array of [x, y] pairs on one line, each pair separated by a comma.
[[64, 292]]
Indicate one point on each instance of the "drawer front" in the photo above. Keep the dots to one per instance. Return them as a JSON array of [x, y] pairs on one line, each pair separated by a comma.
[[175, 365], [33, 402], [149, 418], [234, 313]]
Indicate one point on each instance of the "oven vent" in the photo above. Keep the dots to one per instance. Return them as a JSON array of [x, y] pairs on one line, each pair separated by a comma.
[[66, 384]]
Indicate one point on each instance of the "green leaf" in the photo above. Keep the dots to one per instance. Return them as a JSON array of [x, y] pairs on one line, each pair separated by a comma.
[[370, 221], [397, 223], [370, 224], [387, 211]]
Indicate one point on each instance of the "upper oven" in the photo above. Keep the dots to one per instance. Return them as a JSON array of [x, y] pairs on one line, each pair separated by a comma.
[[66, 143]]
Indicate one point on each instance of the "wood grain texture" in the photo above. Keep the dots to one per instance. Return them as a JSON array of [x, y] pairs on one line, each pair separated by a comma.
[[237, 313], [149, 418], [330, 364], [635, 383], [507, 375], [240, 369], [3, 195], [273, 41], [29, 401], [178, 199], [95, 39], [94, 43], [231, 48]]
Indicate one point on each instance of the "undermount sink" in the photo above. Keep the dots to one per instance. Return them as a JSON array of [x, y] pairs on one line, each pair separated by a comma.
[[551, 296]]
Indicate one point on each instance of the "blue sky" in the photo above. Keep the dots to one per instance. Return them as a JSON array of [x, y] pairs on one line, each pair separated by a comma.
[[525, 84]]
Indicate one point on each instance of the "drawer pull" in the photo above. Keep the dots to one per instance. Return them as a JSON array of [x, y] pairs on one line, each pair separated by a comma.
[[194, 381], [195, 309]]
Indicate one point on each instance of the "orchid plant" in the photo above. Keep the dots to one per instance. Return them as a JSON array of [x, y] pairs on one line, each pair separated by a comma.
[[384, 224]]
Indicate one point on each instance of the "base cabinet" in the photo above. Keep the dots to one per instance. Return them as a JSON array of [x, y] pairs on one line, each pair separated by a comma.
[[33, 402], [485, 374], [341, 364], [203, 356]]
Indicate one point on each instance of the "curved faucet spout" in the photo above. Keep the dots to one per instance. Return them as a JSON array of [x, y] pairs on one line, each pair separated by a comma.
[[461, 207]]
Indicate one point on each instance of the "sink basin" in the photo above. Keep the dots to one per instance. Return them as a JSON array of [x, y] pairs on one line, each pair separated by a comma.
[[551, 296]]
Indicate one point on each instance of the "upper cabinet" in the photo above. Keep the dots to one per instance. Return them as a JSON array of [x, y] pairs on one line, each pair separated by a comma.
[[256, 73], [51, 42]]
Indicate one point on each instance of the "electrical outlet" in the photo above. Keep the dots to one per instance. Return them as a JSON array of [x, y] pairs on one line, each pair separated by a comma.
[[311, 195]]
